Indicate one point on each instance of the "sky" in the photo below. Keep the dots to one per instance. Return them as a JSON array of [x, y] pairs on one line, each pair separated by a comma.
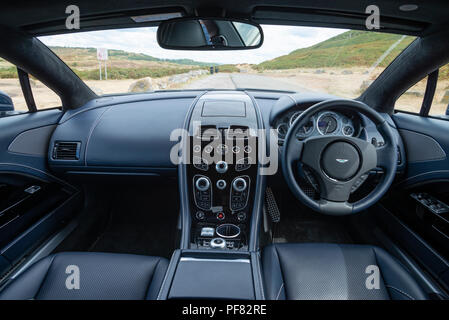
[[279, 40]]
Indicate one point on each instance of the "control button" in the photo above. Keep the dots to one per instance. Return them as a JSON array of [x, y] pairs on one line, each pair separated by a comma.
[[208, 149], [222, 149], [197, 148], [202, 184], [248, 149], [220, 216], [221, 167], [241, 216], [32, 189], [221, 184], [239, 184], [236, 199], [218, 243], [207, 232], [236, 149], [243, 164], [200, 164], [206, 243], [430, 202], [200, 215]]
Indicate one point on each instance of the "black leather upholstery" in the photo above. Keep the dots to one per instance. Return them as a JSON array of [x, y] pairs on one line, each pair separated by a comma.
[[102, 276], [334, 272]]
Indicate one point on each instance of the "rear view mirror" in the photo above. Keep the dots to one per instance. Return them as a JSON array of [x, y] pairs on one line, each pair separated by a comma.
[[6, 103], [209, 34]]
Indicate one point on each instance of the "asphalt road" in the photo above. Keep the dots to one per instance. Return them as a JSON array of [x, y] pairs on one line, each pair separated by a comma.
[[242, 80]]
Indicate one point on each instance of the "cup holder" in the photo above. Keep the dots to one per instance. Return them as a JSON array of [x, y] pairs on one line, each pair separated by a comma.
[[228, 231]]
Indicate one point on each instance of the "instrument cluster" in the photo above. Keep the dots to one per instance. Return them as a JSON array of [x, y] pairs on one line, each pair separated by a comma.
[[324, 123]]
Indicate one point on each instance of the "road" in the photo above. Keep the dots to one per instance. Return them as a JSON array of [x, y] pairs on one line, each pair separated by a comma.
[[242, 80]]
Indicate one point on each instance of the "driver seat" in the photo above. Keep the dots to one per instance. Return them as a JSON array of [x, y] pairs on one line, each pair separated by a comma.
[[317, 271]]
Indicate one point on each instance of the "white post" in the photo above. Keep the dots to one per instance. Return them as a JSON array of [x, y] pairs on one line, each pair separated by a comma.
[[105, 70], [99, 61]]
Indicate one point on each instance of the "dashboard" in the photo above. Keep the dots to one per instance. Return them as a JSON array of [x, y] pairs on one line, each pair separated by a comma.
[[131, 134]]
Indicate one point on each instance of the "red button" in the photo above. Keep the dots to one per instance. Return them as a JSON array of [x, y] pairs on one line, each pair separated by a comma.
[[220, 216]]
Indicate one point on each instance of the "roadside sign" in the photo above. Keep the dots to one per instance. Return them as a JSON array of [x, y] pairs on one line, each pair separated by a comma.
[[102, 54]]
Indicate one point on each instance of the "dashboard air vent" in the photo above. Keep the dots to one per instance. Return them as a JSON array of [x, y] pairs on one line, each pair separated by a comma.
[[64, 150]]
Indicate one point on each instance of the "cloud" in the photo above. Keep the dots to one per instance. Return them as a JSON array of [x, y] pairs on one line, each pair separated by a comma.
[[279, 40]]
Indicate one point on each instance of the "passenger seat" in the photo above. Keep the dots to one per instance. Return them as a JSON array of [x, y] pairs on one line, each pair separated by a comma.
[[89, 276]]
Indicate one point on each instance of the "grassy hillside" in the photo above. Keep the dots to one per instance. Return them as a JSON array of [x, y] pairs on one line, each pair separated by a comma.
[[121, 64], [352, 48], [86, 54]]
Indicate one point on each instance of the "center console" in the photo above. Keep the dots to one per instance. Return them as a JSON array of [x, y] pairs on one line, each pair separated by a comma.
[[222, 170], [221, 200]]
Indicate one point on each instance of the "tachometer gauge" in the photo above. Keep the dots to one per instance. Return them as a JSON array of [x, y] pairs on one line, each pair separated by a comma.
[[282, 130], [348, 131], [327, 123]]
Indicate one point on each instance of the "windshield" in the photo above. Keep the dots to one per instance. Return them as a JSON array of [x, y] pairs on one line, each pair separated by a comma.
[[300, 59]]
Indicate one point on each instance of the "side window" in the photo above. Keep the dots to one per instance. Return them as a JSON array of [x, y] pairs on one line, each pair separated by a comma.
[[440, 100], [44, 97], [11, 96], [412, 99], [428, 97], [12, 99]]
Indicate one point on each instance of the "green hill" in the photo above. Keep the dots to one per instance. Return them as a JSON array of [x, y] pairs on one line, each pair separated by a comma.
[[349, 49], [66, 53], [121, 64]]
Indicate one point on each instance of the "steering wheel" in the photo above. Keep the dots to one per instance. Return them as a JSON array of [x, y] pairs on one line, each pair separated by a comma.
[[337, 162]]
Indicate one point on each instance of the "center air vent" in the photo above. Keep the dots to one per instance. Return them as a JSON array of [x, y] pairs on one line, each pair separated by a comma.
[[238, 132], [208, 132], [66, 150]]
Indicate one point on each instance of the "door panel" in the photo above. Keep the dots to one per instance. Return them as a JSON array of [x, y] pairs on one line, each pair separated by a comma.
[[33, 203], [12, 130], [416, 211], [427, 146]]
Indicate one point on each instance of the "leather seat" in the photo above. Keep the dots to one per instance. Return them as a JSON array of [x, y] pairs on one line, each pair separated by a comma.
[[335, 272], [101, 276]]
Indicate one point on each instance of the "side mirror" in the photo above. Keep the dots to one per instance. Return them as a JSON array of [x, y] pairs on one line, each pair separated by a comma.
[[6, 103], [209, 34]]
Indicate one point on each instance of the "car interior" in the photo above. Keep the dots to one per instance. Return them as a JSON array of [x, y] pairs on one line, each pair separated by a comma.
[[244, 194]]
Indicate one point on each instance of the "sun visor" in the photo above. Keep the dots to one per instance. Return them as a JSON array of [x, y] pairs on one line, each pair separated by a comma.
[[125, 19], [333, 19]]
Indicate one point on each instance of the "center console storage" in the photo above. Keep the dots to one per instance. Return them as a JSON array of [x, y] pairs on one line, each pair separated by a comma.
[[222, 170], [218, 276]]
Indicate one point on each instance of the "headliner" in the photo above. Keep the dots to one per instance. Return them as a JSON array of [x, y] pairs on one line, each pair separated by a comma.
[[36, 18]]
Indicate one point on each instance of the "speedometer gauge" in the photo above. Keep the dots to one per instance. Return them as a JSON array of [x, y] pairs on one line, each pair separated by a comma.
[[327, 123]]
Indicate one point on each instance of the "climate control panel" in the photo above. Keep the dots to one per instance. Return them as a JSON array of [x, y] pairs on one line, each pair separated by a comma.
[[239, 192], [202, 192]]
